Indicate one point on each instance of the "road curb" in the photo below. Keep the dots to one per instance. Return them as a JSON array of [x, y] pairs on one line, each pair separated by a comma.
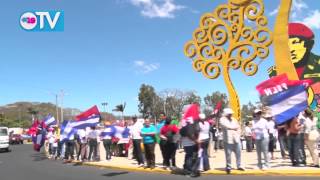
[[278, 172]]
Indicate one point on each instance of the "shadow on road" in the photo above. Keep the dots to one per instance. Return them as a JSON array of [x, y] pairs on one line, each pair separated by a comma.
[[112, 174], [39, 157]]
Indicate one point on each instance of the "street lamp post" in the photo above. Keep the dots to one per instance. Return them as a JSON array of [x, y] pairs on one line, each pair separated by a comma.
[[104, 104]]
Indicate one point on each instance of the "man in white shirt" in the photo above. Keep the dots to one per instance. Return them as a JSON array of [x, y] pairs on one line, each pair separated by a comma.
[[93, 143], [83, 144], [272, 133], [136, 140], [231, 138], [248, 136]]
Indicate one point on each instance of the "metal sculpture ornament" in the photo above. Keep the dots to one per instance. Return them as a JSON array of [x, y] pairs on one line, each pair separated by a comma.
[[231, 37]]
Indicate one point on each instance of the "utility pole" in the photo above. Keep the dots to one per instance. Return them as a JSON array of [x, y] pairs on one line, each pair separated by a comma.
[[61, 99], [104, 104], [57, 109]]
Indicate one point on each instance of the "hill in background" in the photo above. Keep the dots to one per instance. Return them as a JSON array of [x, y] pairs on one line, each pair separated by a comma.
[[20, 114]]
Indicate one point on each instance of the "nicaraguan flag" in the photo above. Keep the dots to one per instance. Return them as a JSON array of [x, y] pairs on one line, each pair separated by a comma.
[[91, 121], [50, 121], [109, 131], [287, 104], [67, 131], [123, 134]]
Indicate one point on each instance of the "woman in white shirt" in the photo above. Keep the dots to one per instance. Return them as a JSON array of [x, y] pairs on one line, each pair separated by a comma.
[[204, 137], [311, 142], [272, 133], [260, 130]]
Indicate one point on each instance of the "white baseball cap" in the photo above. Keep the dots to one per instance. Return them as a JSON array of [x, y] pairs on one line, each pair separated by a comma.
[[257, 111], [227, 111], [202, 116]]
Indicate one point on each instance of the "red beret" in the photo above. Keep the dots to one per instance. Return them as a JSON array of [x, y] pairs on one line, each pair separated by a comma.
[[298, 29]]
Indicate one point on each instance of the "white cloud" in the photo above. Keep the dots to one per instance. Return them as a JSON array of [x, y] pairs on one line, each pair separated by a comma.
[[299, 5], [274, 12], [312, 20], [157, 8], [145, 68], [298, 9]]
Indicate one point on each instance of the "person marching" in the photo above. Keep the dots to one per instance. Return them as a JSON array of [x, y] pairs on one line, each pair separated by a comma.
[[204, 138], [106, 136], [248, 136], [83, 145], [231, 138], [148, 132], [168, 135], [312, 137], [93, 143], [260, 130], [272, 134], [136, 141]]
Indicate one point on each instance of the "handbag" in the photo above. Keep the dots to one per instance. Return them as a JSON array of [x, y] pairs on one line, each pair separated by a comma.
[[313, 135]]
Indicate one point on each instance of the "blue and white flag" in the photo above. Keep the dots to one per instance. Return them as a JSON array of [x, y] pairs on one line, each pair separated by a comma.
[[92, 121], [109, 131], [50, 121], [287, 104], [69, 128], [67, 131]]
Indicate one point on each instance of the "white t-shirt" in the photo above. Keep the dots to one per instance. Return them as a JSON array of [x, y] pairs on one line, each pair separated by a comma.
[[271, 127], [204, 130], [51, 137], [136, 130], [93, 134], [82, 135], [260, 128], [247, 131]]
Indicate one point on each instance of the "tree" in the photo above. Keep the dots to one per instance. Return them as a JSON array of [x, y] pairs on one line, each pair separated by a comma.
[[33, 112], [120, 108], [191, 98], [174, 100], [147, 98], [246, 112], [212, 100]]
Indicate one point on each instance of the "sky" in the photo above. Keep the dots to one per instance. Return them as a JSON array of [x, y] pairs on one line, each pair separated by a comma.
[[110, 47]]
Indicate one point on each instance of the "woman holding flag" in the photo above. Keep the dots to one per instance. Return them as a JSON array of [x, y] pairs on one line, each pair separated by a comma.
[[106, 135]]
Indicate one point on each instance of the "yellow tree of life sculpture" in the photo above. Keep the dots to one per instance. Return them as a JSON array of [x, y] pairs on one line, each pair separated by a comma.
[[231, 37]]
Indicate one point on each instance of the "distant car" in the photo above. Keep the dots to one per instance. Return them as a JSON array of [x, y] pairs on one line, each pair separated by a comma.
[[26, 137], [16, 139]]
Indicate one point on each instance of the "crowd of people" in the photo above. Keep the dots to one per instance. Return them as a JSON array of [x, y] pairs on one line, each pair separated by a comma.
[[194, 136]]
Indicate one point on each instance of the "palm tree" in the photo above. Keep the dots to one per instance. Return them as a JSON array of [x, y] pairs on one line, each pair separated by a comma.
[[120, 108], [33, 112]]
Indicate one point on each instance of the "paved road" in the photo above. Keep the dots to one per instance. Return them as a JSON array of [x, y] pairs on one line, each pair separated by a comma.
[[23, 163]]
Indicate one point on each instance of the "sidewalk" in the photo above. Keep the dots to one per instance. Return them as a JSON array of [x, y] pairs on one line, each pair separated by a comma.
[[217, 163]]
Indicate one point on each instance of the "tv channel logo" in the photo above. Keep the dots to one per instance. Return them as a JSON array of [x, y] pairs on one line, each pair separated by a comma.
[[45, 21]]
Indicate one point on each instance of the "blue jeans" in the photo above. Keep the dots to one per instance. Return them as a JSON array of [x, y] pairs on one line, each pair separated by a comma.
[[228, 149], [262, 148], [190, 157], [205, 157], [296, 151], [283, 141]]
